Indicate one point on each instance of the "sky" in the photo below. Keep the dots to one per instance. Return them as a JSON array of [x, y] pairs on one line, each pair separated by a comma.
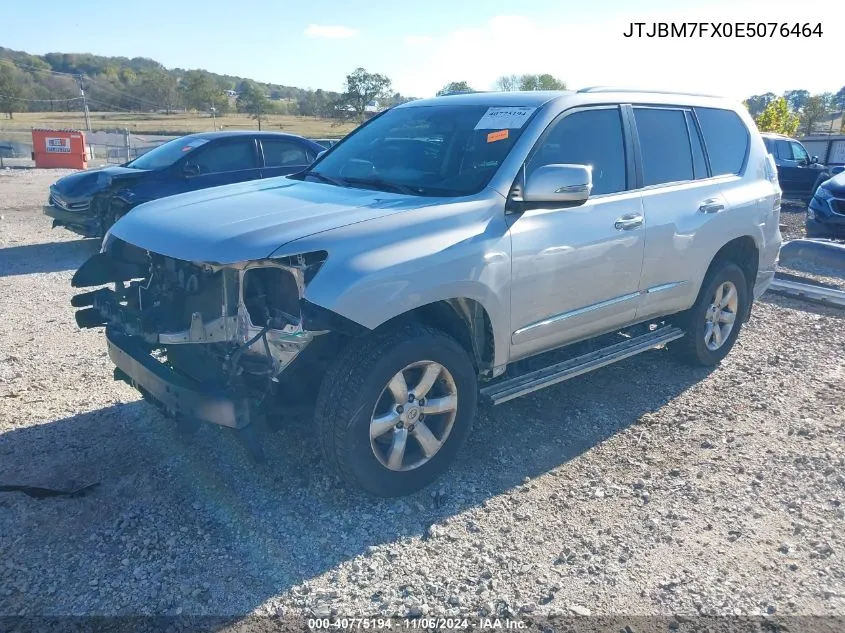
[[422, 45]]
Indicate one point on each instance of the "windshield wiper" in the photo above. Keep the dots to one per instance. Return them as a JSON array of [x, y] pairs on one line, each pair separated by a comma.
[[332, 181], [378, 183]]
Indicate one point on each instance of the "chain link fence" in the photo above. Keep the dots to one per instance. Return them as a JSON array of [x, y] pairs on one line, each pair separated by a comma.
[[104, 148]]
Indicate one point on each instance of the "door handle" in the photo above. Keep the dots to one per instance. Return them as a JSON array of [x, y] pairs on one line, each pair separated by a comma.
[[711, 206], [628, 222]]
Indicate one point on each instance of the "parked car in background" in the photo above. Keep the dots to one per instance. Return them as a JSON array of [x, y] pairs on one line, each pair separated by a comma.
[[799, 173], [826, 211], [475, 245], [90, 201]]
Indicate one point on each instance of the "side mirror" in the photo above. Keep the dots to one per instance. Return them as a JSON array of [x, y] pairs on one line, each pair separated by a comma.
[[321, 153], [559, 183], [814, 160], [191, 169]]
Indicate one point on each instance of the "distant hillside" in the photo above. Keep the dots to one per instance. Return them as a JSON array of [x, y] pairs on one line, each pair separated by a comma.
[[50, 83]]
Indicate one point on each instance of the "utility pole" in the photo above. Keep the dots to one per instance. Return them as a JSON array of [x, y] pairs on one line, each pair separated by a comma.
[[84, 103]]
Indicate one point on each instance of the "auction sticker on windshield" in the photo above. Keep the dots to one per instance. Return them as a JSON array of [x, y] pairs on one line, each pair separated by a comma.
[[197, 142], [501, 118]]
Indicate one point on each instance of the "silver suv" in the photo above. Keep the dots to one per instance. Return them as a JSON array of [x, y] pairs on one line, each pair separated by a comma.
[[476, 246]]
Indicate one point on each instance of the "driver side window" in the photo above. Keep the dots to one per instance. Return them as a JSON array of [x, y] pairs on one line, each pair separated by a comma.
[[590, 137], [223, 157], [799, 153]]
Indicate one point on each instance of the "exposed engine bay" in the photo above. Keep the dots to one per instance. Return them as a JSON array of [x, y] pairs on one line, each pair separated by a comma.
[[232, 329]]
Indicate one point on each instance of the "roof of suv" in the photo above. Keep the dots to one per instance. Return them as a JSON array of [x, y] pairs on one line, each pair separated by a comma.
[[530, 98], [537, 98]]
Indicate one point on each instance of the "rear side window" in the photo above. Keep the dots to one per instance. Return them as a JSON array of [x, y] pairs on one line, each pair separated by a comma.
[[665, 146], [726, 138], [278, 153]]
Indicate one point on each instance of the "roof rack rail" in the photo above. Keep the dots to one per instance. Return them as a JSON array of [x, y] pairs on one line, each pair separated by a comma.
[[667, 92], [459, 92]]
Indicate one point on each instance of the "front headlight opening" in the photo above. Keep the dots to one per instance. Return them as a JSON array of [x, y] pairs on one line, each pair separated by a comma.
[[271, 297]]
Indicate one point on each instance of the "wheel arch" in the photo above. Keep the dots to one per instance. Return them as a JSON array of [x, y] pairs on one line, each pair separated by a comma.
[[464, 319], [744, 252]]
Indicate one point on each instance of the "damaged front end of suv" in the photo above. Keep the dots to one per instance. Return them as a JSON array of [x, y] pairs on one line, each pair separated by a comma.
[[201, 340]]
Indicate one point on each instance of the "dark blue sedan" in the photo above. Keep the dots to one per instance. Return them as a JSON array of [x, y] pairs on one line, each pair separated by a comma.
[[89, 202]]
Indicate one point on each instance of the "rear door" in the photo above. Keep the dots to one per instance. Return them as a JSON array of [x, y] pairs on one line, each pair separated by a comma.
[[284, 156], [806, 174], [682, 203], [221, 162]]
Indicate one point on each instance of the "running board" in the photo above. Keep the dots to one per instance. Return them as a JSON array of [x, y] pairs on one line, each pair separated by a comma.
[[553, 374], [809, 292]]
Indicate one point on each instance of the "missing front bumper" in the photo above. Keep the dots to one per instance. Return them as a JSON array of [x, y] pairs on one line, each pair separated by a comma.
[[84, 225], [177, 394]]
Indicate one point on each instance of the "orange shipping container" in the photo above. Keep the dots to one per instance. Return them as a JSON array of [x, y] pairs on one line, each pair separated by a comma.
[[59, 148]]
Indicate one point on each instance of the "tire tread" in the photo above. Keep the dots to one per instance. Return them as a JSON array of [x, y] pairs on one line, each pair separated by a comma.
[[352, 367]]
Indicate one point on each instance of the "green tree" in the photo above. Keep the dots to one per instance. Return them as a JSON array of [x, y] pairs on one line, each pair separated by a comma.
[[529, 81], [839, 99], [199, 90], [777, 118], [158, 87], [813, 113], [362, 89], [12, 90], [454, 86], [544, 81], [757, 103], [796, 99], [253, 101]]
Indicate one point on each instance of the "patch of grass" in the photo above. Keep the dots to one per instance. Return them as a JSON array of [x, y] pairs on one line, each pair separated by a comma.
[[169, 124]]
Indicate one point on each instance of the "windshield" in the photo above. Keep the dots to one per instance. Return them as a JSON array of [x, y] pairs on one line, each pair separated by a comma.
[[167, 154], [442, 150]]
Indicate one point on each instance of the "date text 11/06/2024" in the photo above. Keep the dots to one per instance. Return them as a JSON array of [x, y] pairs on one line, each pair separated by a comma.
[[415, 624], [722, 29]]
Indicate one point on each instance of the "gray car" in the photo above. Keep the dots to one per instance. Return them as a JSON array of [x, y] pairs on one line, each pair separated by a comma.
[[475, 246]]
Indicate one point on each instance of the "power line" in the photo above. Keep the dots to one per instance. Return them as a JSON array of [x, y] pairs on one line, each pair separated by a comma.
[[109, 105], [17, 64], [101, 84], [54, 100], [124, 94]]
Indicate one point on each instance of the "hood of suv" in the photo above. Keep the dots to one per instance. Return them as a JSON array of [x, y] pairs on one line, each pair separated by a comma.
[[84, 184], [248, 221], [836, 185]]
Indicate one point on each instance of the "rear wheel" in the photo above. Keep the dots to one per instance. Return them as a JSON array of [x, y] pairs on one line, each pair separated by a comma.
[[395, 408], [714, 321]]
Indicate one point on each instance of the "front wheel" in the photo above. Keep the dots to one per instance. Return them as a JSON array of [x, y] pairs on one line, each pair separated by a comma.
[[714, 321], [395, 407]]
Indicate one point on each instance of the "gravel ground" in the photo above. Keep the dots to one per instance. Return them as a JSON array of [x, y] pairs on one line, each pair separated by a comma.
[[793, 214], [644, 488]]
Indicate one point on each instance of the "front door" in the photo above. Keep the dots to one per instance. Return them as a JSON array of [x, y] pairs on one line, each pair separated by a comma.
[[576, 271], [222, 162], [794, 171]]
